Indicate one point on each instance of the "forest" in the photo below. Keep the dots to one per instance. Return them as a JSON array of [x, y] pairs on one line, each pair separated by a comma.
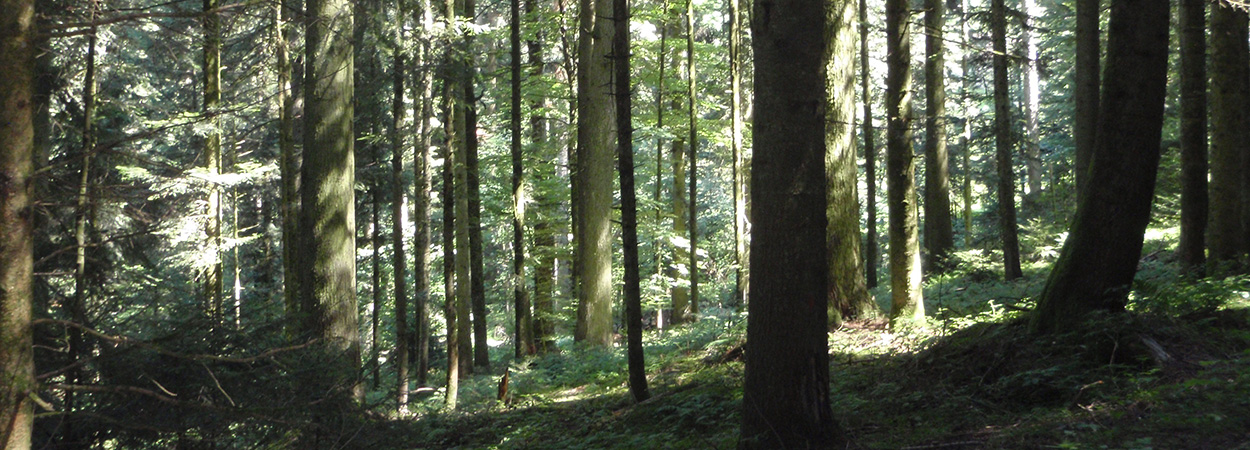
[[550, 224]]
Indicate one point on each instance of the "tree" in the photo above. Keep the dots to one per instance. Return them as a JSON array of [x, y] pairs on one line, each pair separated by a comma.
[[908, 301], [211, 66], [423, 187], [1230, 132], [17, 365], [481, 350], [848, 296], [457, 151], [594, 173], [548, 206], [520, 296], [870, 151], [629, 201], [1032, 102], [1007, 227], [693, 108], [741, 281], [288, 162], [1085, 86], [1099, 258], [785, 399], [965, 139], [327, 213], [939, 238], [1193, 50], [399, 262]]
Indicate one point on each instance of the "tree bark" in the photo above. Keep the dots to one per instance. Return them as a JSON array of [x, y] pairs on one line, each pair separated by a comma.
[[939, 237], [905, 271], [288, 167], [848, 297], [741, 280], [594, 172], [1032, 104], [1096, 266], [424, 181], [1007, 226], [481, 351], [1085, 87], [965, 139], [629, 201], [1192, 248], [693, 108], [871, 250], [399, 262], [211, 66], [548, 204], [1230, 132], [524, 340], [786, 389], [17, 366]]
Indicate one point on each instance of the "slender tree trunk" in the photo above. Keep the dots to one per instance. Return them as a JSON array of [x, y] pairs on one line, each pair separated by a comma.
[[1193, 50], [211, 66], [871, 255], [693, 107], [939, 237], [786, 390], [543, 324], [1085, 87], [377, 288], [905, 272], [1096, 267], [629, 201], [481, 351], [520, 296], [1002, 142], [965, 139], [17, 62], [1032, 104], [451, 257], [594, 172], [679, 293], [399, 262], [1230, 132], [661, 58], [288, 165], [327, 213], [741, 286], [76, 307], [848, 296], [424, 181]]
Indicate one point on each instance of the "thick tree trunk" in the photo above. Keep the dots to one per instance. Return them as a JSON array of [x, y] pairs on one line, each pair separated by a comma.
[[871, 250], [17, 62], [848, 296], [786, 389], [1230, 132], [679, 293], [328, 216], [1085, 89], [1007, 227], [594, 172], [1096, 267], [629, 201], [939, 238], [905, 272], [1192, 247]]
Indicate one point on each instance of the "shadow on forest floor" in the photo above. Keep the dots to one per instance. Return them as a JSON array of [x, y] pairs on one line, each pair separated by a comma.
[[1152, 378]]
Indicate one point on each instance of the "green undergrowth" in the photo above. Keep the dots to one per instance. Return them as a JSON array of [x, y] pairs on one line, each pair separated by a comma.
[[1172, 373]]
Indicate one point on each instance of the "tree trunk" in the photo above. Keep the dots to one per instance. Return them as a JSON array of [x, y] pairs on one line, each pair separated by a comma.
[[965, 140], [786, 389], [288, 165], [629, 202], [543, 328], [1002, 143], [848, 297], [376, 289], [594, 172], [399, 262], [693, 109], [939, 238], [520, 296], [871, 255], [327, 215], [17, 62], [481, 351], [741, 286], [661, 58], [1193, 50], [679, 293], [905, 275], [451, 257], [1085, 87], [1032, 104], [424, 181], [211, 66], [1230, 132], [76, 306], [1096, 267]]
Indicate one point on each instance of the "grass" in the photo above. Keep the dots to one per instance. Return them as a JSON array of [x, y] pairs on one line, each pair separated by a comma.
[[1173, 373]]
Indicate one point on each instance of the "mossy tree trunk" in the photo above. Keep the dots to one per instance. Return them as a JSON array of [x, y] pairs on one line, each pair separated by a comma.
[[1007, 227], [939, 237], [1085, 86], [544, 169], [905, 271], [1193, 39], [1096, 266], [1230, 133]]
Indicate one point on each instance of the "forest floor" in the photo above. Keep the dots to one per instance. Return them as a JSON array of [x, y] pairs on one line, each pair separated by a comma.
[[1174, 373]]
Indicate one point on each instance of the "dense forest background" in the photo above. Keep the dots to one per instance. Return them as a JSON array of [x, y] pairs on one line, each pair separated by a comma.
[[418, 224]]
